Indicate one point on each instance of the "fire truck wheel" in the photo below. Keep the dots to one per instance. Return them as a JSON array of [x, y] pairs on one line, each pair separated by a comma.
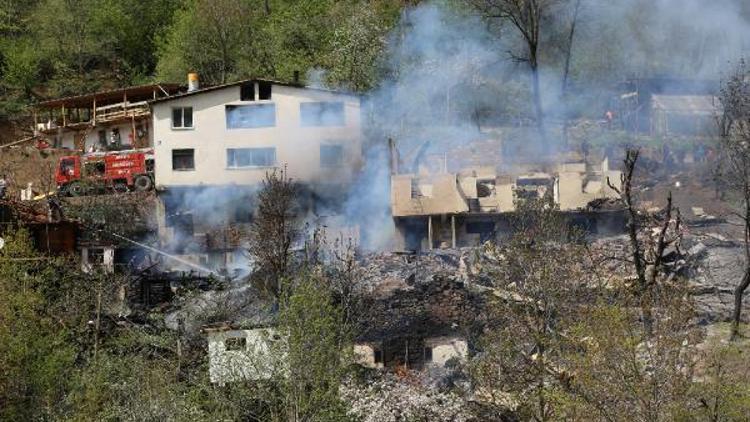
[[75, 189], [142, 183]]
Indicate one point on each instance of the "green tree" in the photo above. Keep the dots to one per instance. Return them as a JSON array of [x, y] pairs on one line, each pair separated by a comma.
[[317, 352], [36, 357]]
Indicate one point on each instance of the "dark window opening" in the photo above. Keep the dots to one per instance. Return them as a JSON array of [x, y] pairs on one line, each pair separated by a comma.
[[378, 356], [182, 117], [485, 188], [96, 256], [103, 138], [322, 114], [183, 159], [247, 92], [485, 230], [235, 343], [331, 155], [264, 90], [414, 233], [428, 354], [115, 139], [250, 116], [67, 166]]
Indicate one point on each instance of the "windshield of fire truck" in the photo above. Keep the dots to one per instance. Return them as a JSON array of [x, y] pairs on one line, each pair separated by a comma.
[[67, 166]]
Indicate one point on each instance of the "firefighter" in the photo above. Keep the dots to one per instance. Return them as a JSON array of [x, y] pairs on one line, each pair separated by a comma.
[[609, 116], [3, 186]]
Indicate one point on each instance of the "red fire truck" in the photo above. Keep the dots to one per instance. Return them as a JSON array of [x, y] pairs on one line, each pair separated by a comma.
[[120, 171]]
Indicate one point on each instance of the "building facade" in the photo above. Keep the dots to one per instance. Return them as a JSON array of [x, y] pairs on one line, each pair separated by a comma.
[[214, 147], [235, 133]]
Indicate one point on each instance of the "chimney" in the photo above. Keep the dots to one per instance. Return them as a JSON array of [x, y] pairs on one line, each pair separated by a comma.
[[193, 83], [296, 76]]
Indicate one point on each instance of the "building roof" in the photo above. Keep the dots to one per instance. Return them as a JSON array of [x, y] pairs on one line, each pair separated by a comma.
[[134, 93], [687, 104], [230, 84]]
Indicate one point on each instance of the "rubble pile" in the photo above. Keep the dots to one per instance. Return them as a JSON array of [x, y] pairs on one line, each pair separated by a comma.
[[428, 309], [710, 262], [385, 272], [717, 267], [394, 399]]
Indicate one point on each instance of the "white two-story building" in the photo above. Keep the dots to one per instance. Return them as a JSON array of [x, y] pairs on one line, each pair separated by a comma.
[[233, 134], [214, 146]]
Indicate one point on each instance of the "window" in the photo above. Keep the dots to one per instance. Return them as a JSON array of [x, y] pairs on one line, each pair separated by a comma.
[[250, 116], [67, 166], [235, 343], [182, 117], [183, 159], [264, 90], [96, 256], [247, 92], [331, 155], [378, 356], [103, 138], [428, 354], [322, 114], [251, 157]]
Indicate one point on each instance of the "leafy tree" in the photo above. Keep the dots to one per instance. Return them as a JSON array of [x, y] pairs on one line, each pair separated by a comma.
[[36, 356], [541, 287], [208, 37], [274, 230], [317, 352]]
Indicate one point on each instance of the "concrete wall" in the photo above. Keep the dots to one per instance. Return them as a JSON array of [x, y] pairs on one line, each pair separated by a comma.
[[254, 362], [364, 355], [445, 349], [439, 194], [296, 146]]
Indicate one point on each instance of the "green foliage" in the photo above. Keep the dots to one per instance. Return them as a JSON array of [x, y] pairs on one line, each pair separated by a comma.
[[35, 354], [317, 353]]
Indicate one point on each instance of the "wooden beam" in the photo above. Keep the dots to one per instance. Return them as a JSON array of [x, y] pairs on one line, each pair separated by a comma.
[[93, 117], [64, 120]]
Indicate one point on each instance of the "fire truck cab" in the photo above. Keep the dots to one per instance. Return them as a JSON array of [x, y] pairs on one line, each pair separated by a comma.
[[120, 171]]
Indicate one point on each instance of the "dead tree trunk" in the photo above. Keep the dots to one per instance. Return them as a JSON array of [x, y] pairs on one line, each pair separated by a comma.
[[566, 69], [739, 291], [647, 260]]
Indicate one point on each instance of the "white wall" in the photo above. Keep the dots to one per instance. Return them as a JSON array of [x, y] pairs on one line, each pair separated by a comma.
[[255, 362], [446, 348], [364, 355], [296, 146]]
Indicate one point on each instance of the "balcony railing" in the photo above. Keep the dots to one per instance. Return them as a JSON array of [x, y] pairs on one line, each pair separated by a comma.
[[110, 113]]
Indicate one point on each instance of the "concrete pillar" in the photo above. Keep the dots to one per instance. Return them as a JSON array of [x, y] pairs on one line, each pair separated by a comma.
[[453, 231], [429, 232]]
